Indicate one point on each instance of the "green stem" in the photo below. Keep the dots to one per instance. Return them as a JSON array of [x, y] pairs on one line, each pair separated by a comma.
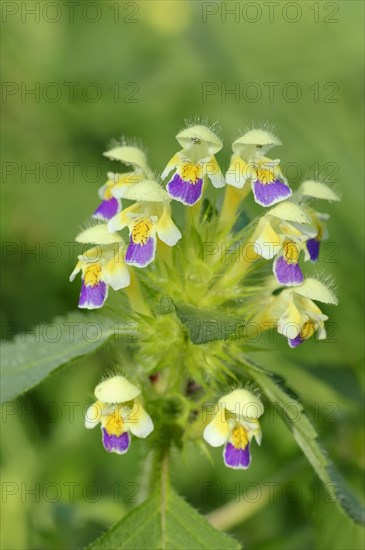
[[164, 488], [159, 470], [233, 198], [193, 214], [133, 291]]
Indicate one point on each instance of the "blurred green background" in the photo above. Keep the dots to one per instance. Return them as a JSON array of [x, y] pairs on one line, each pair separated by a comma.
[[104, 69]]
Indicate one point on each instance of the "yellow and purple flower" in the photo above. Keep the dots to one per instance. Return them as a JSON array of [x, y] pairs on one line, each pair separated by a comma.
[[111, 192], [146, 219], [120, 412], [295, 313], [282, 234], [194, 164], [113, 189], [101, 266], [313, 245], [234, 424], [249, 165], [317, 190]]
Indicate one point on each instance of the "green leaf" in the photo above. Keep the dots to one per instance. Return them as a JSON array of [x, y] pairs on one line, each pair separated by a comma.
[[162, 523], [307, 438], [164, 306], [32, 356], [205, 325]]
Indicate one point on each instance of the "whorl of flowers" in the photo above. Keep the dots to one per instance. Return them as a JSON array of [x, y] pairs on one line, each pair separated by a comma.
[[181, 240]]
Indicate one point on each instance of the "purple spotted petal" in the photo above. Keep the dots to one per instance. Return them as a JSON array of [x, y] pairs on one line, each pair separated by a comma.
[[287, 273], [116, 443], [313, 249], [294, 342], [268, 194], [107, 209], [93, 297], [184, 191], [141, 255], [236, 458]]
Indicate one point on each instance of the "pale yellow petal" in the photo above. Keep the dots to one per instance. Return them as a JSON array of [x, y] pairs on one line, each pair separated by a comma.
[[139, 421], [147, 191], [77, 269], [116, 390], [267, 241], [166, 230], [173, 162], [315, 290], [122, 219], [258, 137], [318, 190], [290, 212], [99, 234], [244, 403], [94, 414], [115, 271], [128, 155], [291, 322], [202, 134], [217, 432]]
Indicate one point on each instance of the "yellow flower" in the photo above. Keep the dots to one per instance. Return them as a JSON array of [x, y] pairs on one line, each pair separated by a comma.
[[295, 313], [194, 164], [101, 266], [147, 219], [234, 424], [250, 165], [119, 412]]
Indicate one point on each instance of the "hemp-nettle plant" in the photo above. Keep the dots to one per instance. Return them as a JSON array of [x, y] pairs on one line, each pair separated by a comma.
[[176, 257], [169, 273]]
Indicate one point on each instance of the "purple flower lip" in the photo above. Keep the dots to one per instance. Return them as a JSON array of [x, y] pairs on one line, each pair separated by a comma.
[[140, 255], [313, 249], [184, 191], [93, 297], [116, 443], [295, 342], [267, 194], [239, 459], [107, 209], [287, 273]]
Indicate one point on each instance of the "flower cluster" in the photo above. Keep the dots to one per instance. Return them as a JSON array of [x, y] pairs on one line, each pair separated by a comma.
[[289, 232], [119, 411], [171, 243]]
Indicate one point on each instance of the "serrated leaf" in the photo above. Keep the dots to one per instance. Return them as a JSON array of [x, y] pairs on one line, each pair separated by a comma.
[[161, 524], [33, 356], [307, 439], [205, 325]]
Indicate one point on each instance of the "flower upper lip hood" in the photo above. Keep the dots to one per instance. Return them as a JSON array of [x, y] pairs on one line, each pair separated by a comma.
[[290, 212], [256, 137], [99, 234], [243, 402], [317, 190], [187, 136], [116, 389], [147, 191], [315, 290], [127, 154]]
